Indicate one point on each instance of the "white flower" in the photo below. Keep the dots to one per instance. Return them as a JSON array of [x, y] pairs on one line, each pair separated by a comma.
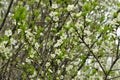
[[58, 71], [50, 70], [32, 55], [87, 40], [5, 42], [78, 24], [28, 32], [69, 67], [87, 32], [27, 7], [89, 61], [96, 65], [58, 62], [19, 30], [109, 62], [36, 45], [78, 14], [118, 32], [59, 42], [61, 77], [37, 0], [64, 36], [33, 75], [16, 46], [58, 51], [68, 23], [13, 41], [53, 13], [47, 64], [55, 18], [76, 63], [41, 34], [53, 55], [73, 14], [54, 6], [79, 72], [8, 33], [28, 60], [95, 50], [116, 42], [23, 63], [70, 7]]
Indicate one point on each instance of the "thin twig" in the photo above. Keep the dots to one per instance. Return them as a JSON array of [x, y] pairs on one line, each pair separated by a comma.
[[6, 14]]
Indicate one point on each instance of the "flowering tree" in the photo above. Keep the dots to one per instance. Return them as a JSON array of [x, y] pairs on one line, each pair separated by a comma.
[[59, 40]]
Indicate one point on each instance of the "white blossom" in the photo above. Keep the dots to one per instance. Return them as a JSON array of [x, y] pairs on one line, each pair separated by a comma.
[[59, 42], [118, 32], [116, 42], [23, 63], [33, 75], [64, 36], [53, 13], [58, 62], [36, 45], [28, 33], [16, 46], [54, 6], [53, 55], [19, 30], [87, 40], [95, 50], [109, 62], [55, 18], [58, 51], [69, 67], [41, 34], [78, 14], [37, 0], [32, 55], [13, 41], [89, 61], [87, 32], [70, 7], [50, 70], [96, 65], [8, 33], [79, 72], [58, 71], [28, 60], [76, 63], [47, 64], [4, 43], [61, 77]]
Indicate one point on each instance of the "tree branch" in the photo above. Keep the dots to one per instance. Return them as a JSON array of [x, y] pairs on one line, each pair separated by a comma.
[[10, 5]]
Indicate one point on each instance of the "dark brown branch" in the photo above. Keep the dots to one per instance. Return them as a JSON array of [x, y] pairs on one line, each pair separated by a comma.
[[9, 7], [92, 53], [117, 57]]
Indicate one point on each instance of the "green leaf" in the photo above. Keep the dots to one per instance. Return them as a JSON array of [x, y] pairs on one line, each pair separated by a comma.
[[20, 13], [48, 19], [101, 53], [83, 57], [84, 14], [36, 13], [93, 71], [87, 7], [115, 15], [61, 56]]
